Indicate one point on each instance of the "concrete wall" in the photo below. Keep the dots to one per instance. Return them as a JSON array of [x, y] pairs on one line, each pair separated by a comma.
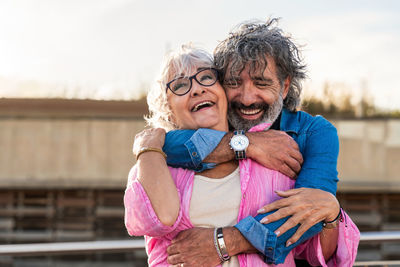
[[369, 156], [73, 143], [67, 143], [66, 152]]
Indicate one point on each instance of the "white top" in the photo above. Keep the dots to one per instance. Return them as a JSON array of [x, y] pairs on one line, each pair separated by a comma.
[[215, 203]]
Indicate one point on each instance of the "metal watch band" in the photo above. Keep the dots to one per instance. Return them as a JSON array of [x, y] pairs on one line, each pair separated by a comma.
[[221, 245], [239, 132], [240, 154]]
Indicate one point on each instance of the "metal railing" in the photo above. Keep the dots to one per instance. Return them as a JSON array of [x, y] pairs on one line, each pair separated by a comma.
[[129, 245], [71, 247]]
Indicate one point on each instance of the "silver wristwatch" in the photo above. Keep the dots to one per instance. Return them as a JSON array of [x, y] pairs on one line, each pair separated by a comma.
[[239, 143]]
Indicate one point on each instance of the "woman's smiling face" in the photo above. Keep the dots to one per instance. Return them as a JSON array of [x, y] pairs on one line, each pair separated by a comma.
[[203, 106]]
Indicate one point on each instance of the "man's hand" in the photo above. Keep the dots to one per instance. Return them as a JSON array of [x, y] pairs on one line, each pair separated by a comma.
[[275, 150], [306, 206], [194, 247]]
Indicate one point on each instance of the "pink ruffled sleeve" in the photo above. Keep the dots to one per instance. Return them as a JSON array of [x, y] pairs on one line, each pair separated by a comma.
[[346, 252], [140, 217]]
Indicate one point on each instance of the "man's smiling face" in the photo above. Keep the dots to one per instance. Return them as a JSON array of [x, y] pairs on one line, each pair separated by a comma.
[[255, 97]]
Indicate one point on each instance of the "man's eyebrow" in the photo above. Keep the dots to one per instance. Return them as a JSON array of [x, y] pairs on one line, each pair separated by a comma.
[[263, 79]]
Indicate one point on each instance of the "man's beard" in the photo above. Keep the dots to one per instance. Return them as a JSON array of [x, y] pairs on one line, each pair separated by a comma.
[[271, 113]]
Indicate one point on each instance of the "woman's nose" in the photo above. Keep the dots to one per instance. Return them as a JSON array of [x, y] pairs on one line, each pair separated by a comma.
[[197, 89]]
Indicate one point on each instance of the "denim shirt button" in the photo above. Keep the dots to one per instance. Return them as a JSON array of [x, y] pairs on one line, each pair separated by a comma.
[[194, 154]]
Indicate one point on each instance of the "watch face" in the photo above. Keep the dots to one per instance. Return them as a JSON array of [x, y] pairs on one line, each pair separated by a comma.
[[239, 142]]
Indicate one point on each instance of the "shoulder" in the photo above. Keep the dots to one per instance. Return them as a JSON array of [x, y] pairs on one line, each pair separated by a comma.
[[305, 122]]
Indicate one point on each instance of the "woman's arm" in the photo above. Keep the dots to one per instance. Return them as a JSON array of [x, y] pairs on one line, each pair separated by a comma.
[[329, 240], [155, 177]]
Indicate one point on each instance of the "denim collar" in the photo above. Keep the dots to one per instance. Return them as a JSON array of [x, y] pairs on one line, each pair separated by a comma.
[[290, 122]]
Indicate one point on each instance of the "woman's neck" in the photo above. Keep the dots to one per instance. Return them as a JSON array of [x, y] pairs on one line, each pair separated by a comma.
[[221, 170]]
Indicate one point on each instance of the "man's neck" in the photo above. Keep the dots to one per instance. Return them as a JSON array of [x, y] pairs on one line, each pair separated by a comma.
[[277, 123]]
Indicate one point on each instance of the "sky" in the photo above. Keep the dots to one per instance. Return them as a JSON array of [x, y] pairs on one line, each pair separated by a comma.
[[112, 49]]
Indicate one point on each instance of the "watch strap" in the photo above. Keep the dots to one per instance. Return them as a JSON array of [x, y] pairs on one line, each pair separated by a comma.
[[237, 132], [240, 154]]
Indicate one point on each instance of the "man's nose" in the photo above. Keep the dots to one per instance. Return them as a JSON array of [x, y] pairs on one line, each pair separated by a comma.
[[248, 94]]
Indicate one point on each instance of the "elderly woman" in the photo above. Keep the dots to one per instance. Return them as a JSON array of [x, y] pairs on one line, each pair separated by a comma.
[[161, 201]]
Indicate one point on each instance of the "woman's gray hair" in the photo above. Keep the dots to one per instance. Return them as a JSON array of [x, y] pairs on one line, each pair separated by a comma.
[[176, 64], [251, 43]]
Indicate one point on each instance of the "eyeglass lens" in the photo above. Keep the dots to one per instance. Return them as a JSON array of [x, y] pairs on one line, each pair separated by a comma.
[[181, 86]]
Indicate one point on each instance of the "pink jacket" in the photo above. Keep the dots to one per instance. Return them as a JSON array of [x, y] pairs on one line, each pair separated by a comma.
[[257, 186]]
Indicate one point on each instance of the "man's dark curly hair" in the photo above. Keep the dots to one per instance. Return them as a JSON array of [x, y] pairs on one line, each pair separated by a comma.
[[251, 43]]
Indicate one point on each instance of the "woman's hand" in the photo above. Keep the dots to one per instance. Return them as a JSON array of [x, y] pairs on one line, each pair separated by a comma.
[[307, 207], [153, 137]]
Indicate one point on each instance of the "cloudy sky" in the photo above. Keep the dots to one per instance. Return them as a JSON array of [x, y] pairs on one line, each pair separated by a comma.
[[112, 49]]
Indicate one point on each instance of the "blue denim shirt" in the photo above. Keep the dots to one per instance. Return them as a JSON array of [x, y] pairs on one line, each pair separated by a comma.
[[319, 144]]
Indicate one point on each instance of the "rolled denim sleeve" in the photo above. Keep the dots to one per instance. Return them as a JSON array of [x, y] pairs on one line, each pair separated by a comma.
[[263, 238], [188, 148]]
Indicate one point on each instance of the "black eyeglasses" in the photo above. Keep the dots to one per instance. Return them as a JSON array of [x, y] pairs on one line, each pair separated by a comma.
[[182, 85]]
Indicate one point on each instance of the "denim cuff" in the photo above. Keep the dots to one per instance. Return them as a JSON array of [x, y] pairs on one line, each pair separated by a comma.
[[263, 239], [200, 145]]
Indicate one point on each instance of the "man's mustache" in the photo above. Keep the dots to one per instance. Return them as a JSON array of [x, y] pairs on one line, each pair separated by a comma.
[[238, 105]]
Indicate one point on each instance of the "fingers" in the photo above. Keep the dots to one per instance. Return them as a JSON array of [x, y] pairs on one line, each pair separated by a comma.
[[294, 152], [293, 143], [288, 193], [296, 236], [279, 214], [284, 202], [296, 155], [287, 170], [273, 206], [289, 224], [293, 164], [174, 259], [153, 137], [172, 249], [304, 226]]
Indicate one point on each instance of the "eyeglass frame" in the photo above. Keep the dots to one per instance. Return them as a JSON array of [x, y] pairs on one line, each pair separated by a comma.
[[190, 80]]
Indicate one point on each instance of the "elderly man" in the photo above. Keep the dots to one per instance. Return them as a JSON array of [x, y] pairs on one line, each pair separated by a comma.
[[262, 74]]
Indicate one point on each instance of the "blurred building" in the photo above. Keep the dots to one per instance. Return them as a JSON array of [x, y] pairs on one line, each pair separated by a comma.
[[63, 170], [64, 165]]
